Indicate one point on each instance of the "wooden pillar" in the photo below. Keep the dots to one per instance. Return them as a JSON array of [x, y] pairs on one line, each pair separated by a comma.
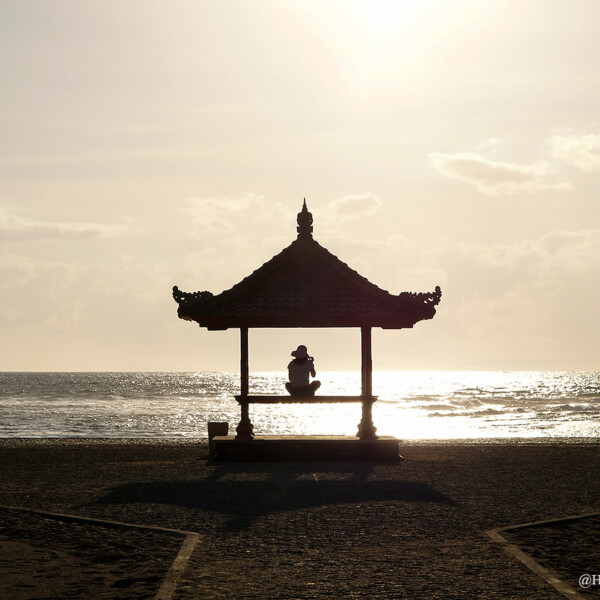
[[244, 370], [245, 428], [366, 362], [366, 428]]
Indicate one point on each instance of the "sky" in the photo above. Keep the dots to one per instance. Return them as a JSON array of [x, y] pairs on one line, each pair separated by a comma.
[[146, 144]]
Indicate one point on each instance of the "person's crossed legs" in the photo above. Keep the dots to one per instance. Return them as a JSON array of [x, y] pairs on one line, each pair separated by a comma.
[[305, 390]]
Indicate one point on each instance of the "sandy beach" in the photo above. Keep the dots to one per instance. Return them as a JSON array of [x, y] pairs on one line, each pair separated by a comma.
[[415, 529]]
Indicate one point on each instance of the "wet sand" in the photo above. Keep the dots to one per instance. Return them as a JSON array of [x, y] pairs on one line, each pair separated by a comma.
[[415, 529]]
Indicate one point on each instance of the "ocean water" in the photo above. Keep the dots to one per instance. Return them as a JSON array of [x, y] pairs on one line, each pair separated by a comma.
[[411, 405]]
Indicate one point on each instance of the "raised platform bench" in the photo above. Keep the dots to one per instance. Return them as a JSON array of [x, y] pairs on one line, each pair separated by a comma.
[[256, 399], [366, 429]]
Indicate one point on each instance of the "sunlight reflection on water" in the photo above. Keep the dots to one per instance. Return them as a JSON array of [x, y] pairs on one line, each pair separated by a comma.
[[411, 405]]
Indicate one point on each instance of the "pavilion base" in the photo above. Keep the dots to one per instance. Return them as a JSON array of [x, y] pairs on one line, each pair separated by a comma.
[[303, 448]]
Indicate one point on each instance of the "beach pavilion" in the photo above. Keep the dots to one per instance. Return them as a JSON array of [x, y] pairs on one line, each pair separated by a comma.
[[306, 286]]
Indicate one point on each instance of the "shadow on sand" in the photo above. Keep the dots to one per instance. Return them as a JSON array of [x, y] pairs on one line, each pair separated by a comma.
[[249, 491]]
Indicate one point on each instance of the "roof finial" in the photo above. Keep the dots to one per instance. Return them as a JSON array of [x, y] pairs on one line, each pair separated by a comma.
[[305, 220]]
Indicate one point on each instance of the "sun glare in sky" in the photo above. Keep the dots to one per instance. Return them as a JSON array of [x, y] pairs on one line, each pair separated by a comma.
[[380, 43]]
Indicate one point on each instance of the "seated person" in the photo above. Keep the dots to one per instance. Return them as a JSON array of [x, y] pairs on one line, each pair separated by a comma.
[[299, 370]]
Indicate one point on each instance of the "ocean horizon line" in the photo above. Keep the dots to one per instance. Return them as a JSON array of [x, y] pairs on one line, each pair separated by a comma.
[[272, 371]]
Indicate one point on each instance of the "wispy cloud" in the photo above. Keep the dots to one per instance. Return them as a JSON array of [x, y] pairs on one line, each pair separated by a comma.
[[496, 178], [15, 270], [354, 206], [15, 228], [491, 146], [221, 215], [551, 259], [577, 149], [529, 294]]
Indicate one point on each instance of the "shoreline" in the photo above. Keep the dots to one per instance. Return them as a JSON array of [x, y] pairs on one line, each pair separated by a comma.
[[500, 441]]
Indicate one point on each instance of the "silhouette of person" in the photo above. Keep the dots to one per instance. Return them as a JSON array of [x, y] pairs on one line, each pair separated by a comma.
[[299, 371]]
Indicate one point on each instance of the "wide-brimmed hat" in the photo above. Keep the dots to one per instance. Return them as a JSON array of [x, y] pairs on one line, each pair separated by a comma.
[[300, 352]]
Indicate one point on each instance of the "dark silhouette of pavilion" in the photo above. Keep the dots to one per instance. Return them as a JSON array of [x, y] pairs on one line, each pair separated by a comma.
[[306, 286]]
